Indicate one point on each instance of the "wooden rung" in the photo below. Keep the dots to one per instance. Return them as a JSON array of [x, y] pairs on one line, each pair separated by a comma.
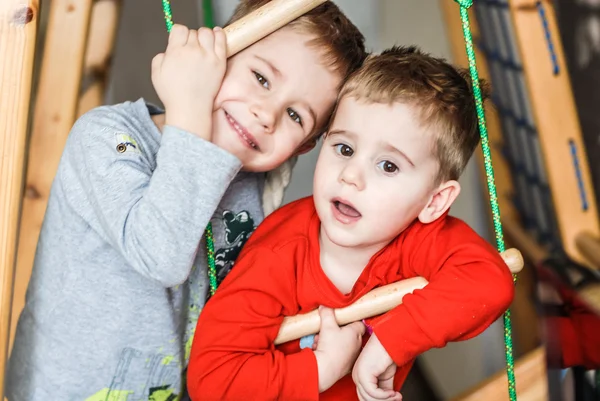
[[99, 50], [375, 302], [53, 117], [531, 382], [18, 30]]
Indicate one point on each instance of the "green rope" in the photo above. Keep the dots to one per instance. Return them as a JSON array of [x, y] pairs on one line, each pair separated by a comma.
[[489, 171], [210, 257], [210, 243], [168, 15]]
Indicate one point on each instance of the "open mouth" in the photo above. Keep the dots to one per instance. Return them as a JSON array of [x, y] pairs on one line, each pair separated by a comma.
[[242, 132], [345, 212]]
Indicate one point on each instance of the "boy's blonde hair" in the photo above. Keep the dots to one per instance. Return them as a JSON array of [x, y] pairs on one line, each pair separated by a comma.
[[441, 95], [342, 47]]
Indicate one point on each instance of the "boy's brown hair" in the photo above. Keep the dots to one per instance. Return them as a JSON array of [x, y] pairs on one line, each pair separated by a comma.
[[441, 94], [340, 41]]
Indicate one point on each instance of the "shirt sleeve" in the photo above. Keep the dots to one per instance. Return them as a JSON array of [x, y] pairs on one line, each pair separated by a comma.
[[233, 353], [154, 215], [469, 287]]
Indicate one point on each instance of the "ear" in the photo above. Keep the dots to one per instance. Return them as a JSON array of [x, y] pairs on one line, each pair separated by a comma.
[[306, 147], [442, 198]]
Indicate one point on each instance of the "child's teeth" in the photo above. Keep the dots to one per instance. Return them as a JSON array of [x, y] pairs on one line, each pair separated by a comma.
[[239, 130]]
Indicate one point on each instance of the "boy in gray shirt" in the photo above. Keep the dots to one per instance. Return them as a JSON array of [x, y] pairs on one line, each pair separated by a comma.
[[120, 274]]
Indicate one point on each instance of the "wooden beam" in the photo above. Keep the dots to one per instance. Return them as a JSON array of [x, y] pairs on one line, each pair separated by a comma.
[[53, 117], [99, 50], [18, 30], [557, 123]]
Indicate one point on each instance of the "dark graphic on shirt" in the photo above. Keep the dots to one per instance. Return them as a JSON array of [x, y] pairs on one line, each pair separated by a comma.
[[238, 228], [142, 377]]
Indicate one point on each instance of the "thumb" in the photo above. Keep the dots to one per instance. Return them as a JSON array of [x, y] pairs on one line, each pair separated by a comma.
[[358, 327], [327, 318]]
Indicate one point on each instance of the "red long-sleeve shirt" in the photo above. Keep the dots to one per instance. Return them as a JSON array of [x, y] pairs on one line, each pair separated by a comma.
[[278, 274]]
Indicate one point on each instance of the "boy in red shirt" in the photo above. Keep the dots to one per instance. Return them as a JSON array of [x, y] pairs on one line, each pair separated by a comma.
[[404, 129]]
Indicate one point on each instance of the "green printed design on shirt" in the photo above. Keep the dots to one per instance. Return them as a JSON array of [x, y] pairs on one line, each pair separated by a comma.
[[106, 395]]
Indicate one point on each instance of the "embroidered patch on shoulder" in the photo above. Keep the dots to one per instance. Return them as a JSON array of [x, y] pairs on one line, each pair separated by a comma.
[[126, 144]]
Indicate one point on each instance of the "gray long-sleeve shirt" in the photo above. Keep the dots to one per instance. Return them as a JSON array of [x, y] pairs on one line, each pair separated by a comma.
[[120, 273]]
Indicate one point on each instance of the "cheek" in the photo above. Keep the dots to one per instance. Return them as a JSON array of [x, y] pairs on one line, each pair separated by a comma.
[[231, 87], [321, 172]]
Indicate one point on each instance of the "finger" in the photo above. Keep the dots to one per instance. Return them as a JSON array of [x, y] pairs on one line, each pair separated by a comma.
[[358, 327], [220, 43], [206, 38], [178, 36], [363, 395], [157, 63], [327, 319], [372, 390], [192, 38], [387, 383]]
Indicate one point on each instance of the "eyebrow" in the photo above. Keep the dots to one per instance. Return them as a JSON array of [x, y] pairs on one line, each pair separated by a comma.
[[270, 65], [387, 145], [398, 151]]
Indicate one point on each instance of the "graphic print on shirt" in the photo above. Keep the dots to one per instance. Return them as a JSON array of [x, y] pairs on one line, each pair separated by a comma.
[[238, 228], [162, 374]]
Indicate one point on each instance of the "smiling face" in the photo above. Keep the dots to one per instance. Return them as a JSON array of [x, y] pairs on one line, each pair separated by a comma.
[[375, 174], [275, 95]]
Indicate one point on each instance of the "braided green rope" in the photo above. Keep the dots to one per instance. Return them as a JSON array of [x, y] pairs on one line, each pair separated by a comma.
[[210, 243], [168, 15], [489, 171]]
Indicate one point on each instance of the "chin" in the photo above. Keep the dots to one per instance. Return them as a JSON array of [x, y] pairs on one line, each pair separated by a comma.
[[343, 238]]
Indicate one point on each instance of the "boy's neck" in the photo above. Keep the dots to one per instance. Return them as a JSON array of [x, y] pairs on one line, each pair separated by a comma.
[[159, 120], [344, 265]]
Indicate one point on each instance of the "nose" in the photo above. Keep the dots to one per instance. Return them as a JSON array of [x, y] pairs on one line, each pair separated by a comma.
[[353, 174], [266, 114]]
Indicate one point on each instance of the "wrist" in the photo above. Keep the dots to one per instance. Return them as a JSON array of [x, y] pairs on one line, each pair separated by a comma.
[[374, 346], [196, 122]]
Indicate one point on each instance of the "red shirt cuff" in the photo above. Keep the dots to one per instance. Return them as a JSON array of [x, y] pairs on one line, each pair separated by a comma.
[[302, 378]]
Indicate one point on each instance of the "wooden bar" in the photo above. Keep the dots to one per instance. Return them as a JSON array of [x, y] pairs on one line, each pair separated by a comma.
[[53, 117], [18, 30], [265, 21], [375, 302], [557, 123], [99, 50]]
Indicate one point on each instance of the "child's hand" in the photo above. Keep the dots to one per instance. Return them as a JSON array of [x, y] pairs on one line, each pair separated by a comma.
[[337, 349], [374, 372], [188, 75]]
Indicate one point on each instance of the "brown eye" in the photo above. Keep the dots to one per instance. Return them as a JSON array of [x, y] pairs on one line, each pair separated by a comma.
[[388, 166], [343, 150], [295, 116], [261, 80]]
